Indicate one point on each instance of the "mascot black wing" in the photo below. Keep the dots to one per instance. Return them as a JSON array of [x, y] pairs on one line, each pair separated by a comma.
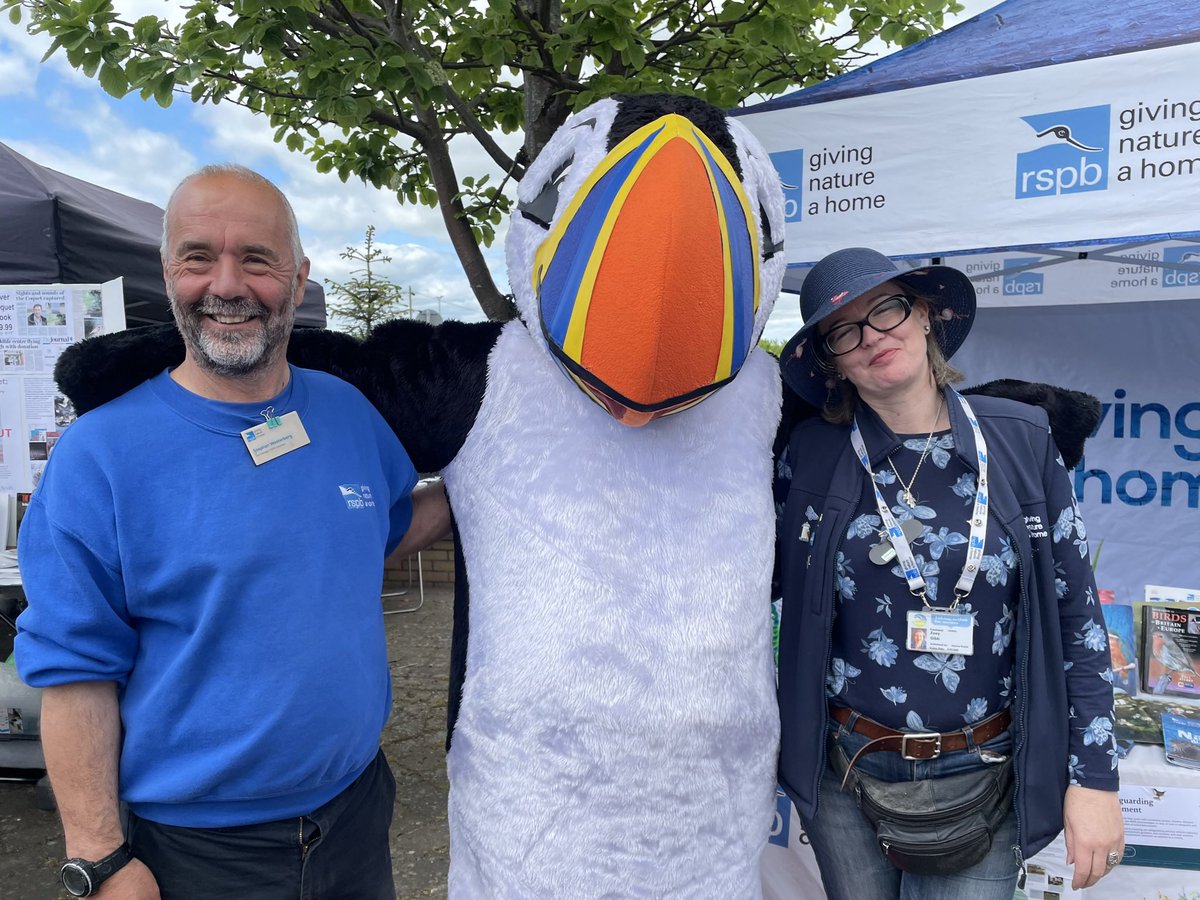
[[608, 460]]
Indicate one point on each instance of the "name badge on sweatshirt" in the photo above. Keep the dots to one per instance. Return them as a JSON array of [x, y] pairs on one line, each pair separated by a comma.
[[275, 437], [940, 631]]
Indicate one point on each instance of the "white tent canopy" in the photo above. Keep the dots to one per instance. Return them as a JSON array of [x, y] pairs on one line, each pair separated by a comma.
[[1050, 149]]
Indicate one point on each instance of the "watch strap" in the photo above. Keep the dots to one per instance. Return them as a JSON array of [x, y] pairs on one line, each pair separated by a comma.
[[111, 864]]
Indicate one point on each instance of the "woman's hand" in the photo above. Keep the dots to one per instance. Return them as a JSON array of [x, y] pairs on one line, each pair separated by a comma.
[[1093, 828]]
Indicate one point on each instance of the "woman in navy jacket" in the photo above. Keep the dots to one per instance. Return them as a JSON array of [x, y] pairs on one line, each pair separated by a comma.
[[910, 504]]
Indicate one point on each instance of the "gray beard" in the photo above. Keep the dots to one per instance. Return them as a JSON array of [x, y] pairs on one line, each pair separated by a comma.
[[234, 355]]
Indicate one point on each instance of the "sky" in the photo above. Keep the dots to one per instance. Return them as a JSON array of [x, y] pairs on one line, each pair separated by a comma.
[[63, 120]]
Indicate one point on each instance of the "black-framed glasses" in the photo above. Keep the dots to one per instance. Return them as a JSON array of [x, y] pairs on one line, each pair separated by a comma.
[[888, 313]]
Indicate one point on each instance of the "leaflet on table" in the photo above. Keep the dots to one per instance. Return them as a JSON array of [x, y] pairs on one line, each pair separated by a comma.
[[38, 322], [1181, 740], [1162, 826]]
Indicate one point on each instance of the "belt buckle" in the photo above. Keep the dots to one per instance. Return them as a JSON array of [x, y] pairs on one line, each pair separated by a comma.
[[921, 736]]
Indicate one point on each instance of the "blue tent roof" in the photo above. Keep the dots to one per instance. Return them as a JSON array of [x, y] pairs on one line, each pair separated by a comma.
[[1017, 34]]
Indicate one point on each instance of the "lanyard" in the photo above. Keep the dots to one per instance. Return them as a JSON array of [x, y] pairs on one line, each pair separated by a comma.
[[916, 584]]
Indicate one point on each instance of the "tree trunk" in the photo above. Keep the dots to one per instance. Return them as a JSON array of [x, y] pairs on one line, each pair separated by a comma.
[[496, 306], [545, 109]]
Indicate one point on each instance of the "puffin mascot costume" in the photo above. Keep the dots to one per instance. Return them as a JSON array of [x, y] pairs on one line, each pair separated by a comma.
[[608, 459]]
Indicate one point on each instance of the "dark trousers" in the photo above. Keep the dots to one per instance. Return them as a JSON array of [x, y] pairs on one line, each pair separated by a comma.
[[340, 851]]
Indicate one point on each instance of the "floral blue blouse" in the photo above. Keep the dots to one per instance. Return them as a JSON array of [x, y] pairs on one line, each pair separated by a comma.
[[870, 669]]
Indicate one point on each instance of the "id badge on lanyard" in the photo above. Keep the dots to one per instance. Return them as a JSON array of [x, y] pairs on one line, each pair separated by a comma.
[[933, 629]]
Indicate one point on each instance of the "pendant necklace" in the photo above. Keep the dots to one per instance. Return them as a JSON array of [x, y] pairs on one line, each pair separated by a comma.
[[906, 489]]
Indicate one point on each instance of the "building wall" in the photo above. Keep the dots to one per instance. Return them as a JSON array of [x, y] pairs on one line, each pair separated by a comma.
[[437, 565]]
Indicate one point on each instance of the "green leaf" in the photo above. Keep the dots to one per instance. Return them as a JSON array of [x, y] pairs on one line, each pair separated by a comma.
[[76, 38], [113, 80], [164, 91], [145, 29], [89, 63], [90, 9]]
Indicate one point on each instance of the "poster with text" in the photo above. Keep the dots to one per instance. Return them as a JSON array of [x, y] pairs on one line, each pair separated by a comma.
[[37, 322]]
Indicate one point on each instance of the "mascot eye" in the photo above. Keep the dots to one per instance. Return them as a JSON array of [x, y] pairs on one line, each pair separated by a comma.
[[541, 208], [770, 245]]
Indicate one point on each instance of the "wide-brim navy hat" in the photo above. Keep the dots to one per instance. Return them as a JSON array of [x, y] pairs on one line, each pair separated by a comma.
[[845, 275]]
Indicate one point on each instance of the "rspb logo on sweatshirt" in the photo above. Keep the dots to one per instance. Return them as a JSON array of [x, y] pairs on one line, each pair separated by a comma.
[[357, 496]]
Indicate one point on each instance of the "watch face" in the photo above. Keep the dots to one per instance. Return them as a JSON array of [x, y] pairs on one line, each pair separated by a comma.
[[76, 880]]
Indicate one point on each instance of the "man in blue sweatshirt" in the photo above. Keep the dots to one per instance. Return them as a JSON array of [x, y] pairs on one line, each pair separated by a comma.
[[203, 561]]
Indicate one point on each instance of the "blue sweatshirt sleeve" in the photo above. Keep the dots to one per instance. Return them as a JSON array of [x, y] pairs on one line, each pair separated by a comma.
[[76, 627], [1093, 754]]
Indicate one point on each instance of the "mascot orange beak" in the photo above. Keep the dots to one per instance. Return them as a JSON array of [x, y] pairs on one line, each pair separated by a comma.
[[648, 282]]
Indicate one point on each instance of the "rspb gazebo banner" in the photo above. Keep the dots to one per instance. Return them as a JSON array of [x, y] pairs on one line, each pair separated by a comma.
[[1102, 149], [1138, 485]]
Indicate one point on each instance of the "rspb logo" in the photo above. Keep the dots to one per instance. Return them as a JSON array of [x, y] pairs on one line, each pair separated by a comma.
[[357, 496], [1175, 259], [1070, 155], [790, 166], [1026, 283]]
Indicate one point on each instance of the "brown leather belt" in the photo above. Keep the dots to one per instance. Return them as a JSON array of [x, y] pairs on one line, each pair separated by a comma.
[[917, 746]]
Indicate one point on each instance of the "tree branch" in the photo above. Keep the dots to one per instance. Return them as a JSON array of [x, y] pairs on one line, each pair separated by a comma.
[[399, 33], [441, 170]]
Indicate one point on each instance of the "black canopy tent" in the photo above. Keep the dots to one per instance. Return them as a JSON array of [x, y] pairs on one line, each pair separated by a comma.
[[55, 229]]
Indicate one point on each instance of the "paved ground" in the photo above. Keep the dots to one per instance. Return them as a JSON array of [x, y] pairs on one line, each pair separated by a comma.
[[419, 650]]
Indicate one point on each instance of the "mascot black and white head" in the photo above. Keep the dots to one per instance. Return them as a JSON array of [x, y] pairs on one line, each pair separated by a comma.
[[646, 253]]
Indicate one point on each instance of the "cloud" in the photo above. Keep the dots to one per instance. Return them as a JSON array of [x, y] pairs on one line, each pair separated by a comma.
[[139, 162], [18, 67]]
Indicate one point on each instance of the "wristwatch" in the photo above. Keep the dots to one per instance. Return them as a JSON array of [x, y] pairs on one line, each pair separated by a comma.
[[82, 878]]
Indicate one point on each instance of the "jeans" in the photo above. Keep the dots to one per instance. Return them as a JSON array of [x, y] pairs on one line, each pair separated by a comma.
[[340, 851], [852, 864]]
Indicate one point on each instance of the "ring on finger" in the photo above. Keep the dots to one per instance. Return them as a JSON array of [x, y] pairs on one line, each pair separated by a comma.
[[1114, 857]]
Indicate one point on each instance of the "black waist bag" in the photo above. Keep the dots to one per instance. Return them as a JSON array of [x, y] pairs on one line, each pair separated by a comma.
[[937, 826]]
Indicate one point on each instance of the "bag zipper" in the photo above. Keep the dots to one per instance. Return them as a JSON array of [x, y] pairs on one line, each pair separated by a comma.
[[882, 812], [823, 753], [943, 849], [1019, 698]]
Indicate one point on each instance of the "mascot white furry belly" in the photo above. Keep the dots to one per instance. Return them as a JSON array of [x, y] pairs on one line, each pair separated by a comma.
[[617, 730], [612, 709]]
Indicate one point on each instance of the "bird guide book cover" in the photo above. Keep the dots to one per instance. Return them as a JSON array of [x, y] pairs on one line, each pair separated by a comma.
[[1171, 649]]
